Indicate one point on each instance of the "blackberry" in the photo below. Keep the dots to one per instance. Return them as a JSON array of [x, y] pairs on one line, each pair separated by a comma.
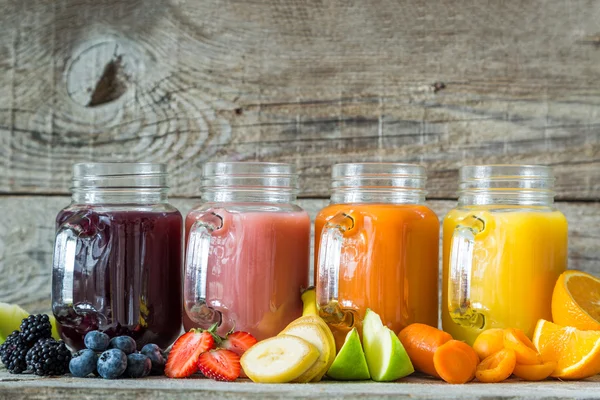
[[49, 357], [35, 327], [9, 345], [13, 353]]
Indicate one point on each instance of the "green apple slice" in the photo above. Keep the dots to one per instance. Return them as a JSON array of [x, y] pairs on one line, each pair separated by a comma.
[[350, 363], [11, 316], [386, 357]]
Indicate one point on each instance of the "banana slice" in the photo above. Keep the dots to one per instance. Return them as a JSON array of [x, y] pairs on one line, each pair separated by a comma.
[[279, 359], [315, 335], [315, 319]]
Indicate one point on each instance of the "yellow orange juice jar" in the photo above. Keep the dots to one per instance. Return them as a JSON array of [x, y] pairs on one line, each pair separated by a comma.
[[505, 245], [376, 246]]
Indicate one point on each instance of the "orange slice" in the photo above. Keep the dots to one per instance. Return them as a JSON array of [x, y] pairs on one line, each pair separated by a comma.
[[489, 342], [537, 372], [497, 367], [576, 301], [525, 351], [577, 353]]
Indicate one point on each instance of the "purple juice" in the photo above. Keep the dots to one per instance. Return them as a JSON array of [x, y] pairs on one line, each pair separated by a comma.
[[121, 275]]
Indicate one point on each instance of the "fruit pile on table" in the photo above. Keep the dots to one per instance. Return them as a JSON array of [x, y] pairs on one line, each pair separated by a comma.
[[305, 351]]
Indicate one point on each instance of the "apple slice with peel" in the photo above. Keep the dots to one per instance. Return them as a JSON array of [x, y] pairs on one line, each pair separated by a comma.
[[279, 359], [315, 335], [386, 357], [350, 363], [11, 316], [10, 319]]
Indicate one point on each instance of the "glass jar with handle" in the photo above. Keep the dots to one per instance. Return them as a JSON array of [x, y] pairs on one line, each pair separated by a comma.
[[118, 255], [505, 245], [376, 246], [247, 255]]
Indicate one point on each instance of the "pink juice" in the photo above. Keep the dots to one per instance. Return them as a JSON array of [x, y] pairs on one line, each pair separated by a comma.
[[257, 266]]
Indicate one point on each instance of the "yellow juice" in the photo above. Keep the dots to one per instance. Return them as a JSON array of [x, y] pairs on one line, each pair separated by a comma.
[[517, 258]]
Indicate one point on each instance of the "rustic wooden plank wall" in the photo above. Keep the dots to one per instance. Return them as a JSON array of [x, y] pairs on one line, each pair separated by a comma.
[[312, 82]]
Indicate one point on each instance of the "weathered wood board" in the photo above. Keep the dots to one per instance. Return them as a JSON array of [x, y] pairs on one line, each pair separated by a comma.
[[441, 83], [17, 387], [27, 235]]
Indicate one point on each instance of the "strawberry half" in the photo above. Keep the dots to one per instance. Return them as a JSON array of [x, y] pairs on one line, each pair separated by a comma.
[[238, 342], [183, 358], [220, 365]]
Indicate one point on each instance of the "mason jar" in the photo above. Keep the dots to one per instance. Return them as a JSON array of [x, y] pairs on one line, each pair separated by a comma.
[[505, 245], [247, 257], [118, 256], [376, 247]]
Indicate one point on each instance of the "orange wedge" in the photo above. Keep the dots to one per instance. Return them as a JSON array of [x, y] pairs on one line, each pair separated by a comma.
[[576, 353], [576, 301]]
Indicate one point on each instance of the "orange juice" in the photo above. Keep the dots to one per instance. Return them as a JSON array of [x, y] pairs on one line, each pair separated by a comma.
[[517, 258], [389, 261]]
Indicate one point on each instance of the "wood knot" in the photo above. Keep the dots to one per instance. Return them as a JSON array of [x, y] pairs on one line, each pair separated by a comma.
[[111, 85], [103, 71]]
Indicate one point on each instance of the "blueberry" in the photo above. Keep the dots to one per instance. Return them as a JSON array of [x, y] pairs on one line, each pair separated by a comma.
[[156, 356], [96, 340], [83, 363], [138, 365], [112, 363], [124, 343]]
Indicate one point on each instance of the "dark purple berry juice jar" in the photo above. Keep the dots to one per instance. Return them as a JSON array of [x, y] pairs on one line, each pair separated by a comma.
[[118, 256]]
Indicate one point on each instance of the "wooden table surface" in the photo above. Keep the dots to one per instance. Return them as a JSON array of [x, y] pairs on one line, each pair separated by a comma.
[[16, 387]]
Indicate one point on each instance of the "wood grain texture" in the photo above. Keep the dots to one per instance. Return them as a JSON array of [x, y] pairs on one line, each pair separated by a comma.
[[442, 83], [414, 387], [27, 236]]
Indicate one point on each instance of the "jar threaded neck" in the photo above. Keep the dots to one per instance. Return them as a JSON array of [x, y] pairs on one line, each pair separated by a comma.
[[394, 183], [249, 182], [528, 185], [137, 183]]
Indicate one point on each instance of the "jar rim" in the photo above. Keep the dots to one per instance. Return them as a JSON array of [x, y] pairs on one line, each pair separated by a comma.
[[342, 170], [505, 171], [99, 175], [117, 168], [217, 168]]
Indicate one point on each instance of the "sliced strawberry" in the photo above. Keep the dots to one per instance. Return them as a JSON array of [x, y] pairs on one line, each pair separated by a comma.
[[183, 358], [238, 342], [220, 365]]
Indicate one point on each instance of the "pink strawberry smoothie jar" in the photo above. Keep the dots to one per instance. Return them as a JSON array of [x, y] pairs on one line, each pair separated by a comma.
[[247, 250]]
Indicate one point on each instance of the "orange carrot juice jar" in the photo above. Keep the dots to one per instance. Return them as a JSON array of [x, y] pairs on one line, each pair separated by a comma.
[[376, 246]]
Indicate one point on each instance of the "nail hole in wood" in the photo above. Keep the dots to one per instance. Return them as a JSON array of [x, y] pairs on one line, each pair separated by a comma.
[[437, 86]]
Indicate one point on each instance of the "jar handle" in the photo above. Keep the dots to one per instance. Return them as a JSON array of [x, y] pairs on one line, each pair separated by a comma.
[[66, 244], [330, 256], [460, 270], [196, 270]]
